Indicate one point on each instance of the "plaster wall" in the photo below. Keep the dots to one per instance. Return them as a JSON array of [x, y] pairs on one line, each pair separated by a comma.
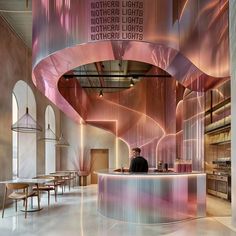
[[13, 68], [92, 138]]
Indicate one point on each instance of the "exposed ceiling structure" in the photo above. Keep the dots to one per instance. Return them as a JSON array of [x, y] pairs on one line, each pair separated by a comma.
[[112, 76], [18, 13]]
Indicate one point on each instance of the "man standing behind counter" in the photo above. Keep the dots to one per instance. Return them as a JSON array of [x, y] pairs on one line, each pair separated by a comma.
[[138, 163]]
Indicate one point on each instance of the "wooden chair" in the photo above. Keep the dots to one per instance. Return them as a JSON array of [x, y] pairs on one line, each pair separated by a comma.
[[74, 178], [68, 178], [47, 187], [59, 181], [18, 195]]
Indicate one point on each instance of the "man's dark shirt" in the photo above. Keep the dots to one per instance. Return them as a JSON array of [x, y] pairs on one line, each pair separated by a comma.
[[138, 164]]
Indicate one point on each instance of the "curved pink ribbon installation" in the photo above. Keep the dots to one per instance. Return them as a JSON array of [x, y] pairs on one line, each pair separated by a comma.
[[192, 48]]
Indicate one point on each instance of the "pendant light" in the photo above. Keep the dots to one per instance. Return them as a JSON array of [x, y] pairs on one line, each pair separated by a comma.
[[131, 84], [62, 142], [26, 124], [101, 93], [50, 136]]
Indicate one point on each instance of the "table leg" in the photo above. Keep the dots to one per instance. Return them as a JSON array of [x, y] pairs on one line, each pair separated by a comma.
[[38, 196]]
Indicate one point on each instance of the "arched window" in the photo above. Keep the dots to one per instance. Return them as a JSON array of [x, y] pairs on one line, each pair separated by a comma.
[[14, 138], [26, 142], [50, 135]]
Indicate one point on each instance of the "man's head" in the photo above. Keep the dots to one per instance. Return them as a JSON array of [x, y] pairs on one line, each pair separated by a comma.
[[136, 152]]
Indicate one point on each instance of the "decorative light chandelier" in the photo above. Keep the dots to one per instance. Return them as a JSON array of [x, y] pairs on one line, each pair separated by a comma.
[[50, 136], [62, 142], [26, 124]]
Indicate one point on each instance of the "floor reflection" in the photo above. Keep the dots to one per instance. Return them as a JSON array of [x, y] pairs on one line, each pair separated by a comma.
[[75, 213]]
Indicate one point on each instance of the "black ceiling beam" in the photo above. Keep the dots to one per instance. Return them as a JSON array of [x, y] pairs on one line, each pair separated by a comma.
[[106, 87], [134, 76]]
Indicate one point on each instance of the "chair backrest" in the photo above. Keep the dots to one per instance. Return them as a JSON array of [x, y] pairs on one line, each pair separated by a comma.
[[52, 178], [44, 177], [16, 186]]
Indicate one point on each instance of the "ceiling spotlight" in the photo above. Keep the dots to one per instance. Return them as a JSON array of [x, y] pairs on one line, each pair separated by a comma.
[[135, 76], [100, 94], [131, 83]]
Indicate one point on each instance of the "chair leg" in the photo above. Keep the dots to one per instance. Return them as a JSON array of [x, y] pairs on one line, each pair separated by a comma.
[[26, 203], [31, 202], [24, 199], [48, 197], [4, 201], [16, 204], [38, 197], [55, 193]]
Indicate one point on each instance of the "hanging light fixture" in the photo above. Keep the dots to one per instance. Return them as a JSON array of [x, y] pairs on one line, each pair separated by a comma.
[[62, 142], [50, 136], [101, 94], [26, 124], [131, 84]]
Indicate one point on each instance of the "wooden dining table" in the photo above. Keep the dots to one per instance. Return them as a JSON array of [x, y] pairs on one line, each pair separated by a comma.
[[31, 182], [59, 174], [73, 172]]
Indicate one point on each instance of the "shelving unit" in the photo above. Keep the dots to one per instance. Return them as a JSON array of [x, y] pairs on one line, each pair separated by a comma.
[[221, 142], [218, 106], [218, 141], [218, 129]]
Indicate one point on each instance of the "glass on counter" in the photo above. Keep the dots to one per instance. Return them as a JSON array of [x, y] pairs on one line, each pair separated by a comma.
[[183, 166]]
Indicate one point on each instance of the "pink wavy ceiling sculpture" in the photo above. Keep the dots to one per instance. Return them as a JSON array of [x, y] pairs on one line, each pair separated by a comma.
[[192, 48]]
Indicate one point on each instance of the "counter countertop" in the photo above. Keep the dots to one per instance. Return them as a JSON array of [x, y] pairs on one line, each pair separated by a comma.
[[113, 172]]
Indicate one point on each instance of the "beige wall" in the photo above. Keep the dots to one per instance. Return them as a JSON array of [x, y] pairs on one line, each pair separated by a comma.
[[13, 68], [93, 138]]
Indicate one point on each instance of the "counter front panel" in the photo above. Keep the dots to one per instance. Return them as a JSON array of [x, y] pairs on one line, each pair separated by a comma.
[[155, 198]]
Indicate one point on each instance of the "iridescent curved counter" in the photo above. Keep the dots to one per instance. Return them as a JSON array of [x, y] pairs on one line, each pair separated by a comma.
[[153, 197]]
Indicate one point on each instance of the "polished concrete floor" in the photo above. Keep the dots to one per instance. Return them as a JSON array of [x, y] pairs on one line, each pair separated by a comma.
[[217, 207], [75, 214]]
